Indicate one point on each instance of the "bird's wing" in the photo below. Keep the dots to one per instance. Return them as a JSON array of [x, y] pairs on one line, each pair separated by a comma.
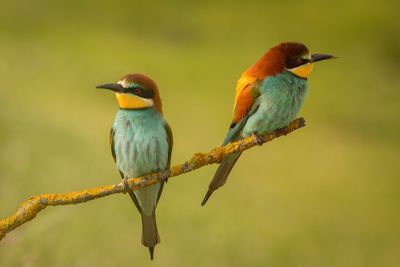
[[221, 175], [170, 142], [236, 128], [246, 93], [130, 192], [112, 133]]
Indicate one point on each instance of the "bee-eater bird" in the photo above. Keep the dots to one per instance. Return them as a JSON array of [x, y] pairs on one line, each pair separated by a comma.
[[141, 143], [268, 97]]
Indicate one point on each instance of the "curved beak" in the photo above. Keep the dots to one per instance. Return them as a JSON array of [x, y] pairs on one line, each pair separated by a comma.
[[111, 86], [319, 57]]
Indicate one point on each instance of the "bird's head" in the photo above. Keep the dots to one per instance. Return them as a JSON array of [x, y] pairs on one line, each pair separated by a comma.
[[135, 91], [290, 56], [298, 60]]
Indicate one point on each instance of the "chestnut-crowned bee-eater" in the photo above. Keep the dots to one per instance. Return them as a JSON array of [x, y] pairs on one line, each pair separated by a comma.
[[141, 143], [268, 97]]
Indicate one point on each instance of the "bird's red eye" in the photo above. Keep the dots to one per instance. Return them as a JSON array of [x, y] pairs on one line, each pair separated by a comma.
[[137, 91], [299, 61]]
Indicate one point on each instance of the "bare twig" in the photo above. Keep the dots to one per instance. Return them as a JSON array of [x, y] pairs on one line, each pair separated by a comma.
[[28, 209]]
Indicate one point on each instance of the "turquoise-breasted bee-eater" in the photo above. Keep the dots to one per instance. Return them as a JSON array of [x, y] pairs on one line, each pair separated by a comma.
[[141, 143], [268, 97]]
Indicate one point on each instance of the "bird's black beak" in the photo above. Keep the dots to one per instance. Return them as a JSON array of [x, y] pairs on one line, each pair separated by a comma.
[[319, 57], [111, 86]]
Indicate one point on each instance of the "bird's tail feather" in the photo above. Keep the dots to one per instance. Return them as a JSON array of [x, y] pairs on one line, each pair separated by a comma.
[[221, 175], [150, 237]]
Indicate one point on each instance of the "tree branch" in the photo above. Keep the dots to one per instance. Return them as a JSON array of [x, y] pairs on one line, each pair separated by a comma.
[[28, 209]]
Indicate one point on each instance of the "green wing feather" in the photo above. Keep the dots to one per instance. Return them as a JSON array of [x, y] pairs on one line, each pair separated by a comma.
[[170, 142], [222, 173]]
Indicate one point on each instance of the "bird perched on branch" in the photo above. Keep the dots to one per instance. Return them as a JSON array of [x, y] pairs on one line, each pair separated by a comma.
[[268, 97], [141, 143]]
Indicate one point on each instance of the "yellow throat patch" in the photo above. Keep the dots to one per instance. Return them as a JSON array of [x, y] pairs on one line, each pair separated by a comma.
[[302, 71], [129, 101]]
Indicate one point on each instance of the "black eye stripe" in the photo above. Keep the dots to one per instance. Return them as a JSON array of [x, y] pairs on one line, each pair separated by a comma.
[[141, 92], [295, 62]]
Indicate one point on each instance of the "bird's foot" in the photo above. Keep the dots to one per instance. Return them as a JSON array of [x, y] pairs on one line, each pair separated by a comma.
[[257, 139], [165, 175], [284, 130], [126, 184], [130, 192]]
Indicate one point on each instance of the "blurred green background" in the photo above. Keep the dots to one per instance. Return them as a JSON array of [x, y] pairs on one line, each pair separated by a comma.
[[326, 195]]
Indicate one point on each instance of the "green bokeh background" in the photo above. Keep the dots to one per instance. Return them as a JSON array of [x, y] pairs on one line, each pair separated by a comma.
[[326, 195]]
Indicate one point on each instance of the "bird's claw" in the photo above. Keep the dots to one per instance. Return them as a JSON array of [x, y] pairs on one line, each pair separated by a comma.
[[284, 130], [257, 139], [164, 176], [126, 184]]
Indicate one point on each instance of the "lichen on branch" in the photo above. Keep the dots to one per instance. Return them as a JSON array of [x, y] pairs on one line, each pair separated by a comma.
[[31, 207]]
